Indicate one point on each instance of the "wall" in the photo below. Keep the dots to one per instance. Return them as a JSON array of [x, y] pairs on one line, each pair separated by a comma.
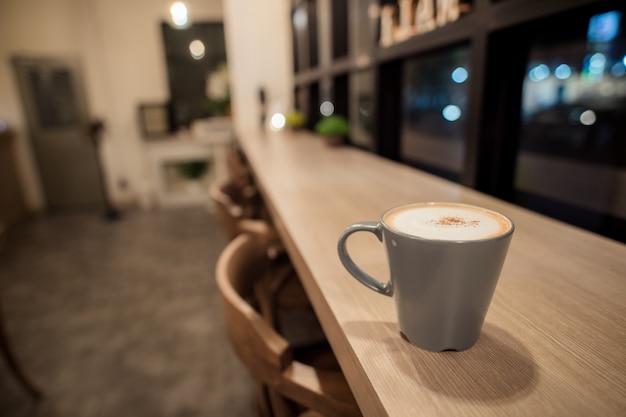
[[258, 39], [55, 34], [119, 43]]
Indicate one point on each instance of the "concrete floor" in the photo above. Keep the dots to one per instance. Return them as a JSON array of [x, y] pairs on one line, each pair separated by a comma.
[[116, 319]]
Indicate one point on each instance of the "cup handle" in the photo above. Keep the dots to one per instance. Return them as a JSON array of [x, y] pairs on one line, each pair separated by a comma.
[[364, 278]]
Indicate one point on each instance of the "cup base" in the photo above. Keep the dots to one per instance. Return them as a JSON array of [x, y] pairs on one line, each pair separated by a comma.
[[437, 348]]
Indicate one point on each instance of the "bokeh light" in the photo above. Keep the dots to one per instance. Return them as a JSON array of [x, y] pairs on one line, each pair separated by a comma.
[[459, 75], [563, 72], [327, 108], [451, 112], [539, 72], [197, 49], [588, 117], [277, 121], [179, 14], [597, 63]]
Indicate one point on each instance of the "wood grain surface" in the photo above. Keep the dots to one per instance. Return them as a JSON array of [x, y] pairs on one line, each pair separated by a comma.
[[553, 342]]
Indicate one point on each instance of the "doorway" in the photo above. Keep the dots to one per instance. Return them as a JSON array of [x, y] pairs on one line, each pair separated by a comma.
[[55, 107]]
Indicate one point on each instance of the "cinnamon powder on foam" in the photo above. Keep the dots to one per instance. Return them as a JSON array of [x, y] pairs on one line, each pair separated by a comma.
[[455, 221]]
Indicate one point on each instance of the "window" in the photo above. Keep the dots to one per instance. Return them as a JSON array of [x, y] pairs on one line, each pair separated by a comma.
[[196, 64], [434, 104], [571, 158]]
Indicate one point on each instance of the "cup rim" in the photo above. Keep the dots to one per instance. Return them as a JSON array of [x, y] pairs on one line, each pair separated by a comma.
[[453, 203]]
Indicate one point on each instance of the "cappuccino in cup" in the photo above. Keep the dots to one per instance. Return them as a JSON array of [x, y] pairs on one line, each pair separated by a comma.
[[444, 264], [446, 221]]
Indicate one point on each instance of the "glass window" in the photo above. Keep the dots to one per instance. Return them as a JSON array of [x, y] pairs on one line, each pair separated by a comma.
[[54, 97], [340, 28], [366, 25], [434, 105], [307, 99], [197, 71], [304, 27], [340, 93], [362, 108], [571, 161]]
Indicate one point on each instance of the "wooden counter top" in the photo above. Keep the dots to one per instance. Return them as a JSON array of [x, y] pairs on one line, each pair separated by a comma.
[[554, 339]]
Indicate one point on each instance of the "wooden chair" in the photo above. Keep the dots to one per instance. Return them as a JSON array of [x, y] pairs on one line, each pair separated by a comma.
[[233, 204], [237, 201], [288, 386], [6, 347], [275, 292], [282, 301], [238, 168]]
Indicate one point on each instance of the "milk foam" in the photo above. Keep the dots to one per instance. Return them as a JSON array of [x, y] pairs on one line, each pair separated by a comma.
[[441, 221]]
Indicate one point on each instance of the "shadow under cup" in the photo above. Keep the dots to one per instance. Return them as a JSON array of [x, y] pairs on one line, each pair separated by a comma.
[[443, 279]]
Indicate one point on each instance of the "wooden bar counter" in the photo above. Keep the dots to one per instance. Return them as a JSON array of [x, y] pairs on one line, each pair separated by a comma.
[[554, 339]]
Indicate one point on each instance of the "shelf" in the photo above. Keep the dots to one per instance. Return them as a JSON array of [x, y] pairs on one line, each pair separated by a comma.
[[207, 142]]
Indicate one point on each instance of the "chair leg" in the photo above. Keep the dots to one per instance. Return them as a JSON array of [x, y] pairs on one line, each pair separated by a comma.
[[5, 345], [263, 406], [281, 406], [13, 363]]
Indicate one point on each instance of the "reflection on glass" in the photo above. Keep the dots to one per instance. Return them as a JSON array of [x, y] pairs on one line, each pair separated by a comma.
[[300, 19], [54, 97], [361, 108], [451, 113], [304, 27], [460, 75], [571, 161], [365, 28], [604, 27], [434, 104]]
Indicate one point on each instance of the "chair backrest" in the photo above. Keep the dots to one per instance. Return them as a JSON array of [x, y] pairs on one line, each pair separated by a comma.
[[264, 352], [227, 212], [238, 167], [234, 205], [258, 346]]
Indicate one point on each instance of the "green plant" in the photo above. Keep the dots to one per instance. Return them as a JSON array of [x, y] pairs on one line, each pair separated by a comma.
[[192, 170], [216, 107], [295, 118], [217, 91], [334, 125]]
